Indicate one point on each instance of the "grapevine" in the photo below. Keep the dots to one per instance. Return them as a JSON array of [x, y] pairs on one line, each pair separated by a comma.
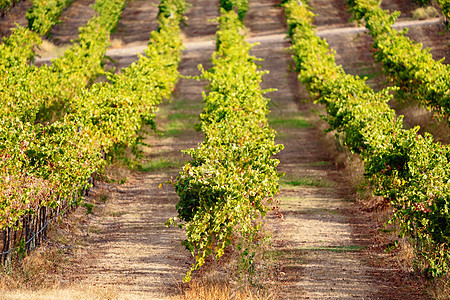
[[47, 165], [224, 189], [409, 66], [410, 170]]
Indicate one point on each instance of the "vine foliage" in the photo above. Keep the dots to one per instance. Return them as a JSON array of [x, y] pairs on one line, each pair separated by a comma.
[[225, 188], [410, 170], [45, 165], [410, 67]]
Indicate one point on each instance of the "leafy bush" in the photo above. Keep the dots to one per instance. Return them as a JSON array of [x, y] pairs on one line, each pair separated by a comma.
[[445, 8], [171, 8], [43, 165], [410, 170], [241, 7], [408, 65], [44, 14], [224, 189], [422, 2]]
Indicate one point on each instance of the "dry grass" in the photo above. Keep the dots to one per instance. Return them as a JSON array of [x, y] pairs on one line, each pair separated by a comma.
[[227, 279], [48, 49], [439, 288], [220, 288], [213, 288], [41, 274], [75, 293], [43, 269], [36, 271], [419, 116], [423, 13], [117, 43], [117, 173]]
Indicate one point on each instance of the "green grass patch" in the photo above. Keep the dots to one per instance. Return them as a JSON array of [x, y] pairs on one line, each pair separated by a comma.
[[321, 164], [103, 198], [338, 249], [305, 181], [180, 122], [295, 122], [295, 256], [289, 200], [386, 230], [179, 117], [116, 214], [182, 117], [319, 211], [188, 106], [160, 164], [364, 71], [368, 76], [368, 73]]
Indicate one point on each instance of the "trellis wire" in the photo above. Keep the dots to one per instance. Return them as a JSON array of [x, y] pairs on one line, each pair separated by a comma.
[[10, 235]]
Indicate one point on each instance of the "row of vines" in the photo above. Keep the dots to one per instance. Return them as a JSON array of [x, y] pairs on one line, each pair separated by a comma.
[[43, 94], [40, 166], [410, 170], [44, 14], [45, 163], [225, 188], [409, 66]]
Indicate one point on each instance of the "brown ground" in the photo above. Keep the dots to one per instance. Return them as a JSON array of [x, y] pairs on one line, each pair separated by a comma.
[[130, 249], [324, 238], [325, 244], [15, 15], [137, 21], [73, 17]]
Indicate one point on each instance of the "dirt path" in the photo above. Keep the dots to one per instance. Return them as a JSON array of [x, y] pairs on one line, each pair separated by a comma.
[[137, 21], [323, 241], [16, 15], [129, 250], [73, 17], [335, 13]]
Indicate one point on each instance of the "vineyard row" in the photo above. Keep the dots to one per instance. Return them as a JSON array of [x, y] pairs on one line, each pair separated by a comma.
[[409, 66], [43, 94], [224, 189], [45, 166], [408, 169], [43, 14]]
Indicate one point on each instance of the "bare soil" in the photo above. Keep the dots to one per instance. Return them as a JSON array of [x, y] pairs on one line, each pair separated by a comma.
[[16, 15], [73, 17], [128, 247], [326, 244], [137, 21], [324, 240]]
